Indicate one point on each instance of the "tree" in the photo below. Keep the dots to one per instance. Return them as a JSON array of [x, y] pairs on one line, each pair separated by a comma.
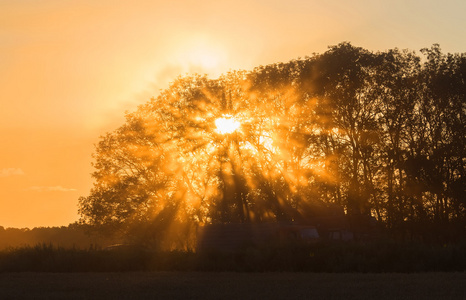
[[397, 77], [379, 134], [168, 164]]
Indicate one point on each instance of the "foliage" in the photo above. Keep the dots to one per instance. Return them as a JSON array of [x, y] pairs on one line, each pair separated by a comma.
[[380, 134]]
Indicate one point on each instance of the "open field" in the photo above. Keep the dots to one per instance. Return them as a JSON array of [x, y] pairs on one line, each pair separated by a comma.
[[206, 285]]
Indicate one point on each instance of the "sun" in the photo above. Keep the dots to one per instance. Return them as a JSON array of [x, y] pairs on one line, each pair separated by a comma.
[[226, 124]]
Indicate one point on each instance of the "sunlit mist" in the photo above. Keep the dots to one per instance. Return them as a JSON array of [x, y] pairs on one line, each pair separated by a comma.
[[226, 124]]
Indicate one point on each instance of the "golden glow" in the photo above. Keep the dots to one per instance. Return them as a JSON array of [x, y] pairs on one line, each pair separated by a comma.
[[206, 58], [226, 124], [201, 53], [59, 62]]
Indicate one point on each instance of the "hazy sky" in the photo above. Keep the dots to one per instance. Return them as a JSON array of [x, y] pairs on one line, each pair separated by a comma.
[[70, 69]]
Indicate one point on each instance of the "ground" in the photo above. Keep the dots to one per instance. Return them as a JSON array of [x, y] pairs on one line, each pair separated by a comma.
[[204, 285]]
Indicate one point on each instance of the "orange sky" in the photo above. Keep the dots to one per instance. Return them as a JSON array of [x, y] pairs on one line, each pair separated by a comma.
[[70, 69]]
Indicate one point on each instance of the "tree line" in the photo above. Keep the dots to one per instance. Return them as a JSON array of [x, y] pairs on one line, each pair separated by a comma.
[[379, 134], [72, 236]]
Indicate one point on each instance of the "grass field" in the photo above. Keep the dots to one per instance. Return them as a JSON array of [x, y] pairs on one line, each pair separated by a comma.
[[205, 285]]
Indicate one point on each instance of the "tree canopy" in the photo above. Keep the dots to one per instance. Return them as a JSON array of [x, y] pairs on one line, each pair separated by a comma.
[[380, 134]]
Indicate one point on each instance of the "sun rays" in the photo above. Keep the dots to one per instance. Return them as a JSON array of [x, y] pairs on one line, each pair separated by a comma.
[[206, 151]]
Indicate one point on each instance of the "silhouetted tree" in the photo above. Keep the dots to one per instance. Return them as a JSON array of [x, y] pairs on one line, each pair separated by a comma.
[[380, 134]]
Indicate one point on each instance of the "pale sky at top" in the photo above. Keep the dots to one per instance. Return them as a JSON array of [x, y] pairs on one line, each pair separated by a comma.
[[70, 69]]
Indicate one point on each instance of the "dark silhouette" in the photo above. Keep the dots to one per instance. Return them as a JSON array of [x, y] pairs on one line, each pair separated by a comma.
[[72, 236]]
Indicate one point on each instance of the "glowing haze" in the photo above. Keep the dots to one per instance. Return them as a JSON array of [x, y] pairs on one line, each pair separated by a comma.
[[69, 70], [226, 124]]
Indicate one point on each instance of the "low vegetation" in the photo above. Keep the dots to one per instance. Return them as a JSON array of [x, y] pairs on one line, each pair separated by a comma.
[[319, 257]]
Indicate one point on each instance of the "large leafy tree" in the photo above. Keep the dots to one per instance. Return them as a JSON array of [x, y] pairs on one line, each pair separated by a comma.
[[171, 164], [376, 133]]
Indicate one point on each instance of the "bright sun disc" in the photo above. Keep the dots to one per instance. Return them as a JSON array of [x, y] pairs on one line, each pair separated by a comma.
[[226, 124]]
